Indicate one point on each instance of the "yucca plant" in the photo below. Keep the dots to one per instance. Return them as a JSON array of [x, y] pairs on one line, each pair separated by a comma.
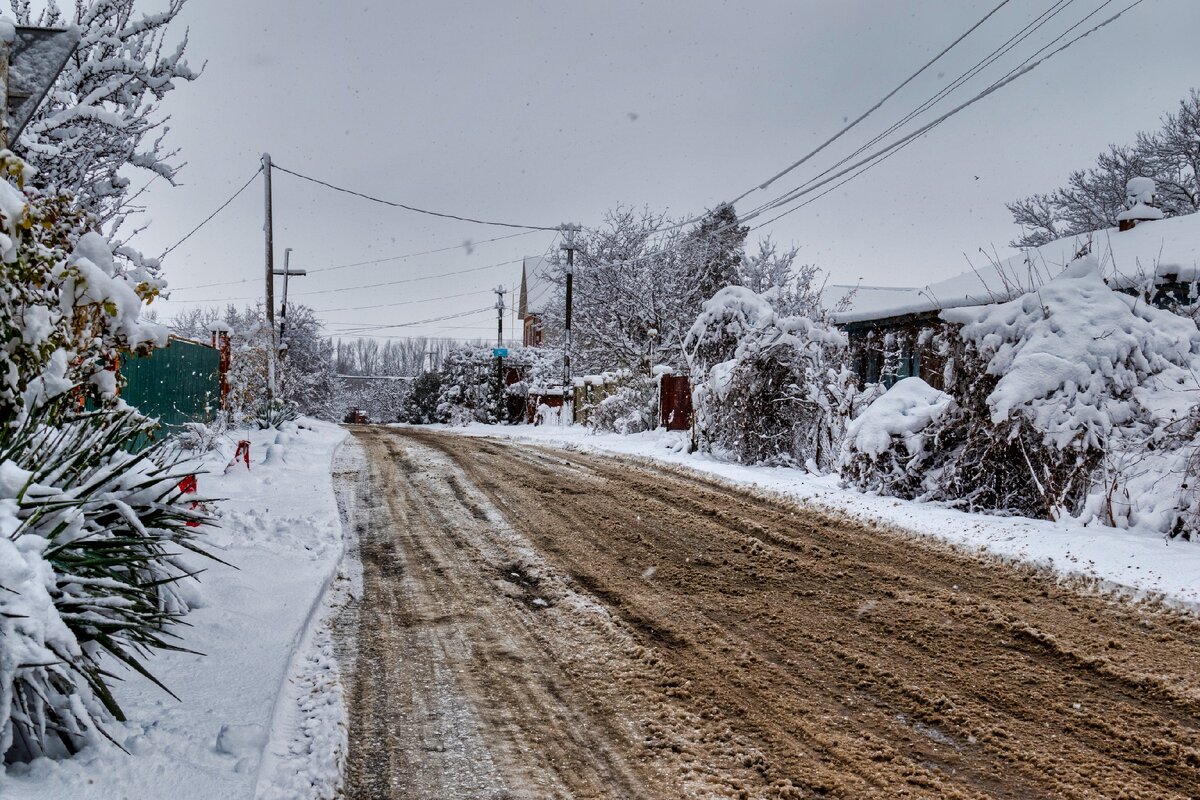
[[106, 529]]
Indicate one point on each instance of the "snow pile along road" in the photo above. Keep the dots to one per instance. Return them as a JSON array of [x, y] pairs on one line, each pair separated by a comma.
[[279, 528]]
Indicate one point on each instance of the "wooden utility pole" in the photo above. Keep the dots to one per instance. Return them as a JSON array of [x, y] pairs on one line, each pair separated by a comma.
[[269, 232], [499, 350], [569, 246], [286, 272]]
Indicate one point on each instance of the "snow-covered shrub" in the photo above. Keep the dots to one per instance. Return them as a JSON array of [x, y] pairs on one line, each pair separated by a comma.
[[887, 446], [770, 388], [1067, 401], [203, 437], [273, 413], [468, 387], [92, 524], [631, 407], [66, 309], [420, 407], [90, 542]]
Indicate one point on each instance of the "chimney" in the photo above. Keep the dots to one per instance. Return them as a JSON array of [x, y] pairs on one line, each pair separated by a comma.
[[1140, 197]]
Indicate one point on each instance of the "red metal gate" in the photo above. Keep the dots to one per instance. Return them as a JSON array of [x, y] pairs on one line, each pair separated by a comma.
[[675, 402]]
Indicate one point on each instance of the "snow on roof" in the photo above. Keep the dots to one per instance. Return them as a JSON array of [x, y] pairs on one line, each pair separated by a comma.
[[1169, 247], [536, 288]]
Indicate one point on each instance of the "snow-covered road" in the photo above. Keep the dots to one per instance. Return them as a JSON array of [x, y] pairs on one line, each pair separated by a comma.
[[537, 623]]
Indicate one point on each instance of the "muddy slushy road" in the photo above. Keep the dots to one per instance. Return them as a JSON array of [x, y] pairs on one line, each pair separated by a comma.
[[538, 623]]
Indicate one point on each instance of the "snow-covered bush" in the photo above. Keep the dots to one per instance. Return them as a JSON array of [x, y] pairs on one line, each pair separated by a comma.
[[888, 447], [1067, 401], [91, 523], [91, 539], [769, 388], [204, 437], [66, 309], [420, 407]]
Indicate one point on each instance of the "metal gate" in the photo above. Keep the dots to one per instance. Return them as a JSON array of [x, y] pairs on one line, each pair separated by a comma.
[[675, 402], [178, 383]]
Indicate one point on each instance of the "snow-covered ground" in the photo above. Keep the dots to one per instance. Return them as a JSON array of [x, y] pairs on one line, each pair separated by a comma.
[[280, 529], [1143, 562]]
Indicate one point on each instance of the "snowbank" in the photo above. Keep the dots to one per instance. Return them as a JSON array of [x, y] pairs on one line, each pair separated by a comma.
[[1137, 560], [280, 527]]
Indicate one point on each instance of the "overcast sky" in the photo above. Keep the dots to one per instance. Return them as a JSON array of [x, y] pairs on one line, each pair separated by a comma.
[[544, 112]]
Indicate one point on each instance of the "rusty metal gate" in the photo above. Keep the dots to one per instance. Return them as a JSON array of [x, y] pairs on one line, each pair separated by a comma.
[[675, 402]]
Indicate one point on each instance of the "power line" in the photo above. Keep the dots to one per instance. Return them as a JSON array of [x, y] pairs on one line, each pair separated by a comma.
[[418, 322], [1014, 40], [765, 184], [401, 303], [365, 285], [393, 204], [1028, 66], [209, 218], [383, 260]]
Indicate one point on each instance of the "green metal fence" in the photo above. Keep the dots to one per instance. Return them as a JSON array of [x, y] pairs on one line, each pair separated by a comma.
[[178, 383]]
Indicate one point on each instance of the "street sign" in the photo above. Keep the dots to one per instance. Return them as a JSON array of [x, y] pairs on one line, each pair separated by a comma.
[[500, 352], [36, 58]]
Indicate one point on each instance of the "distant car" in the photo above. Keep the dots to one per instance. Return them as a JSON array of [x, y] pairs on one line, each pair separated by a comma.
[[356, 416]]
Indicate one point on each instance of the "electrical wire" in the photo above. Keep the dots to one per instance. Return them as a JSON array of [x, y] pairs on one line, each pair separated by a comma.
[[1014, 40], [209, 218], [417, 322], [383, 260], [401, 303], [393, 204], [1027, 67], [765, 184]]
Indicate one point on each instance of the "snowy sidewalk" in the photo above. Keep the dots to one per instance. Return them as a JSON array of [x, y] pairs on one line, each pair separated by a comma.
[[280, 528], [1142, 562]]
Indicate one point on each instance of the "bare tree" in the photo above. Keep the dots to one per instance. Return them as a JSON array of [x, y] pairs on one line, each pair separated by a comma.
[[1093, 197]]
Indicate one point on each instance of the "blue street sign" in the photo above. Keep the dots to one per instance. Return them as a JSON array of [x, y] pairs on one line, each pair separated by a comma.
[[500, 352]]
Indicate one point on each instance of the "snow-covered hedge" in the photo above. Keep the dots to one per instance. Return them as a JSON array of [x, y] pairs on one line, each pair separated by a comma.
[[1072, 400], [770, 388]]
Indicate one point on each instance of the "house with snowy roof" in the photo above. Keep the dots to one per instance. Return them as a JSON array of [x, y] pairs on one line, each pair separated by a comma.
[[891, 329], [536, 291]]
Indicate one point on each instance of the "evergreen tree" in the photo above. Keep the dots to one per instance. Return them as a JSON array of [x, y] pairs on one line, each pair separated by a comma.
[[712, 255]]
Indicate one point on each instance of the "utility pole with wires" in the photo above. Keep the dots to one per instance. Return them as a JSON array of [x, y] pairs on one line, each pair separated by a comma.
[[269, 235], [568, 245], [286, 272], [499, 352]]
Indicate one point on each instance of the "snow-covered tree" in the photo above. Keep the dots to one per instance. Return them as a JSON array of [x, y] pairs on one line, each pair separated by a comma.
[[711, 254], [770, 387], [305, 376], [102, 121]]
